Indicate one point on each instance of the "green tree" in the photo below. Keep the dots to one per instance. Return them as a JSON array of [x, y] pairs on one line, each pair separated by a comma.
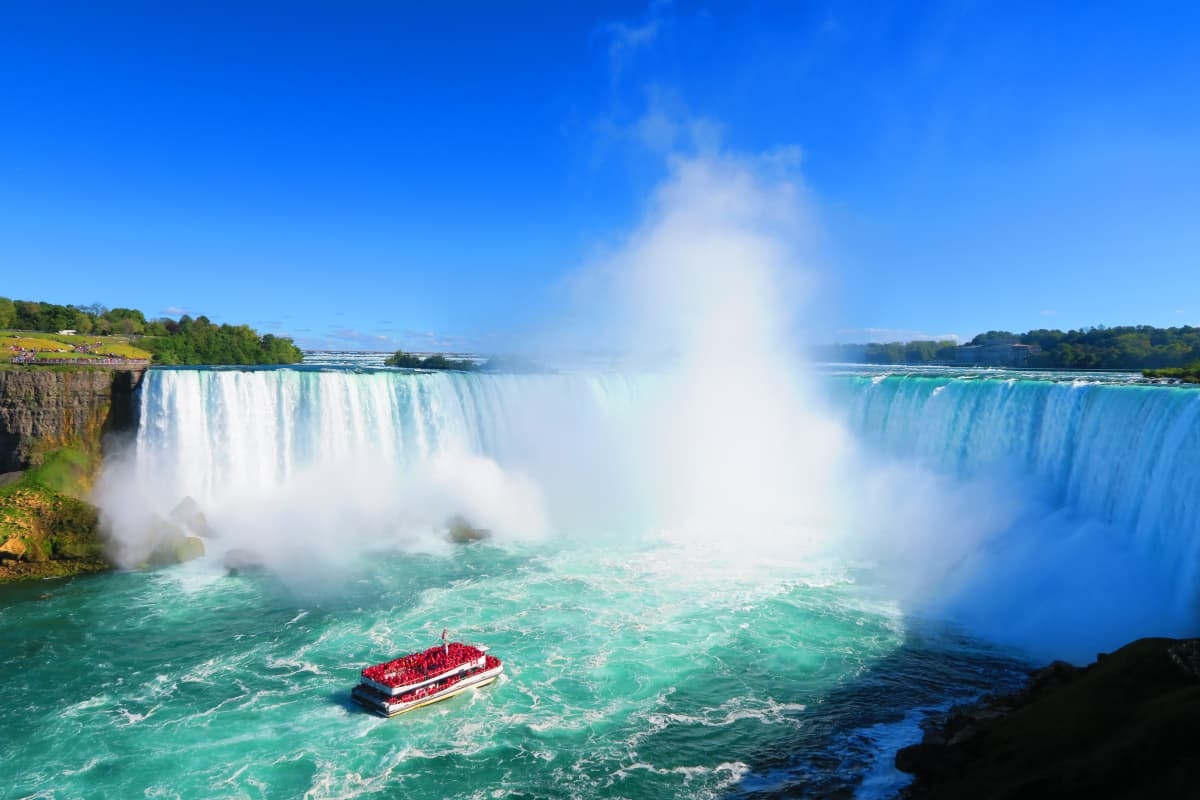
[[996, 337], [128, 321], [199, 341], [26, 318], [158, 327], [186, 341], [436, 361], [83, 322]]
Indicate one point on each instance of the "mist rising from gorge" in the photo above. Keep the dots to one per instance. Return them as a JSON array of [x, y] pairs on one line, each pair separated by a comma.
[[717, 440]]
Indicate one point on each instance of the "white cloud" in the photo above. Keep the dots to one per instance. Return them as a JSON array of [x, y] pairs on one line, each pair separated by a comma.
[[661, 124], [412, 340], [625, 38], [353, 339], [656, 130]]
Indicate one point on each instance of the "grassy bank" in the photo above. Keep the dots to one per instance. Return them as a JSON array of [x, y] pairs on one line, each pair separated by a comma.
[[46, 528]]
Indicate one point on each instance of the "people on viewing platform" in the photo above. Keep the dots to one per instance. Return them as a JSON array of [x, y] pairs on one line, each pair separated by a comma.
[[26, 355], [31, 359]]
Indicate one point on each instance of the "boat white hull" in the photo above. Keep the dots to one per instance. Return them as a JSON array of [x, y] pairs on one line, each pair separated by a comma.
[[393, 708]]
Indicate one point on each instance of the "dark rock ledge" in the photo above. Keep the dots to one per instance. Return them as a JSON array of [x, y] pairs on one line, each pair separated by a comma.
[[1126, 726]]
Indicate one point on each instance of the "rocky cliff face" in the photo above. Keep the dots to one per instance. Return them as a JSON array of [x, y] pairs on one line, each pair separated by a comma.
[[1123, 728], [43, 408]]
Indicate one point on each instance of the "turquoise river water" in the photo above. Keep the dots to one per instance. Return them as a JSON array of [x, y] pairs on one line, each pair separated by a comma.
[[641, 661]]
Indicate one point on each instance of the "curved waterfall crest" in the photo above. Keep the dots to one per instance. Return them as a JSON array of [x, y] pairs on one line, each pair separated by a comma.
[[1021, 507], [1123, 455]]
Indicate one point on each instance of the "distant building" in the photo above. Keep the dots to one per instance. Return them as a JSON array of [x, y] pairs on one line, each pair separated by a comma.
[[1004, 354], [67, 332]]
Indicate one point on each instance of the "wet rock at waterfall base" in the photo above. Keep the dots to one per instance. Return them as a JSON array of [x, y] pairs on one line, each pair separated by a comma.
[[173, 546], [240, 560], [165, 543], [461, 531], [188, 514]]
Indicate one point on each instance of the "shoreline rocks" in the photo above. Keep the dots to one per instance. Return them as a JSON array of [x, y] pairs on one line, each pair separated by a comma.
[[1122, 727]]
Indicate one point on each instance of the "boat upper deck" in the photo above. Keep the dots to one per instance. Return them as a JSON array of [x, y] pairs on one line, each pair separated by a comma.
[[425, 665]]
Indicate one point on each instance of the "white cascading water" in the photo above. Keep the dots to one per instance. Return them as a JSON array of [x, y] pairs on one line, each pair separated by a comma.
[[287, 462], [1120, 454], [392, 455], [1096, 485], [215, 432], [1035, 511]]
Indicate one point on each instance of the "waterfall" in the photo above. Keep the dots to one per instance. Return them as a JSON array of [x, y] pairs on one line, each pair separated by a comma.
[[1101, 478], [209, 431], [1022, 506], [1123, 454], [285, 461]]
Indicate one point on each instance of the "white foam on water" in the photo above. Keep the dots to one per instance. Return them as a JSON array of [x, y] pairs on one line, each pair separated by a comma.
[[882, 781]]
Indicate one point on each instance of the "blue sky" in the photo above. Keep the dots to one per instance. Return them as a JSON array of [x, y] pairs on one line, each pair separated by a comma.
[[382, 175]]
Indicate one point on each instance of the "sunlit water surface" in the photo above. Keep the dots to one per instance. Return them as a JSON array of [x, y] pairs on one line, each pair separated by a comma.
[[635, 666], [642, 673]]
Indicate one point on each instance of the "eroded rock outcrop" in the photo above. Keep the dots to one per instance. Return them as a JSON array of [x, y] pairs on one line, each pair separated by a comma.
[[54, 424], [47, 533], [1122, 727], [44, 408], [14, 549]]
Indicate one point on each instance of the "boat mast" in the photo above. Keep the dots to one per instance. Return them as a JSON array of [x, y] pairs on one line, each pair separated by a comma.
[[445, 644]]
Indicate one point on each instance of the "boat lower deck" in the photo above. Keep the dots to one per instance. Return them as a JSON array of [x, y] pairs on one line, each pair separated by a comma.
[[391, 706]]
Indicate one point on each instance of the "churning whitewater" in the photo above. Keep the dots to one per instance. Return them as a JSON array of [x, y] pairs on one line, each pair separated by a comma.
[[664, 634]]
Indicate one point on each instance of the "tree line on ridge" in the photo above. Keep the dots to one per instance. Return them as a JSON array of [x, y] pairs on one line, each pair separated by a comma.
[[174, 342], [1127, 347]]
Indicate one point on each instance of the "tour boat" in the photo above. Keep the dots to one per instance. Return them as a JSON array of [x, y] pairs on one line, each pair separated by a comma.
[[419, 679]]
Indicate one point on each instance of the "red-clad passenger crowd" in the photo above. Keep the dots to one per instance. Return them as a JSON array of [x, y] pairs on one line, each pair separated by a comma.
[[434, 688], [385, 701], [421, 666]]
